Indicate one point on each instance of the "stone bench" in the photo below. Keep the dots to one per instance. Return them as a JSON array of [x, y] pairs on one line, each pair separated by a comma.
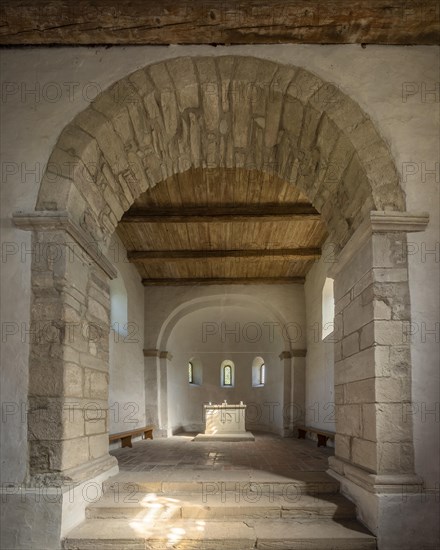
[[125, 437], [323, 435]]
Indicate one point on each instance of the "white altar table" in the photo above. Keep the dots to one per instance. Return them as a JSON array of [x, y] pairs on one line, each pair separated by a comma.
[[225, 422]]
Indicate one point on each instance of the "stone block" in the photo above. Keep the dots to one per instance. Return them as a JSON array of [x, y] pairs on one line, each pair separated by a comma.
[[98, 426], [292, 119], [389, 250], [338, 351], [389, 333], [348, 420], [355, 269], [73, 380], [367, 336], [98, 311], [364, 453], [391, 275], [343, 446], [388, 457], [338, 328], [95, 384], [74, 452], [350, 344], [356, 367], [92, 362], [339, 395], [393, 389], [45, 376], [362, 391], [167, 98], [185, 82], [369, 412], [363, 284], [398, 362], [390, 423], [98, 126], [53, 419], [342, 303], [304, 86], [381, 310], [356, 315], [98, 445]]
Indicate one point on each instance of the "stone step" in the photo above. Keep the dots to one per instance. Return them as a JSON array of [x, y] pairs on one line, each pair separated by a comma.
[[118, 534], [211, 482], [220, 506]]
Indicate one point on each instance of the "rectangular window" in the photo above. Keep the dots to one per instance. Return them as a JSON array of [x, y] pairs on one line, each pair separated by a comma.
[[227, 375]]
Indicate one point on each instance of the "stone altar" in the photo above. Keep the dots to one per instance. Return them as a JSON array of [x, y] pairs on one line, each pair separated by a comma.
[[225, 422]]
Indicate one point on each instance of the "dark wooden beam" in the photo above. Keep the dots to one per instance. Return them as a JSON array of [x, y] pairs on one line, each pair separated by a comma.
[[224, 281], [94, 22], [211, 214], [290, 254]]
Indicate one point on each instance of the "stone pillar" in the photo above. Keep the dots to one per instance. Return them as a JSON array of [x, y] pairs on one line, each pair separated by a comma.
[[151, 378], [164, 357], [374, 443], [68, 364], [68, 376], [285, 358], [156, 388], [294, 390], [298, 395]]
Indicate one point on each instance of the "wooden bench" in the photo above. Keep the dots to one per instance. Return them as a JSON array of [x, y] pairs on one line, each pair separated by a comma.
[[125, 437], [323, 435]]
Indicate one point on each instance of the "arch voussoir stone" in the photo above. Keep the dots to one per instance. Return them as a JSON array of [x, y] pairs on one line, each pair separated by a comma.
[[233, 112]]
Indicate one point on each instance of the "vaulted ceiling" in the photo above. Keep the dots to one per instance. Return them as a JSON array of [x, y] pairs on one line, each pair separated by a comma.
[[210, 226]]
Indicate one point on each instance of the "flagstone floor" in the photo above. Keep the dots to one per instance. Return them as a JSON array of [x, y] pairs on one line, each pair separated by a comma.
[[268, 452]]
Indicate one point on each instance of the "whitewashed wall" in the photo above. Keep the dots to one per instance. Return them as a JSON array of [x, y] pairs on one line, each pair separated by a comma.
[[127, 389], [319, 404], [242, 335]]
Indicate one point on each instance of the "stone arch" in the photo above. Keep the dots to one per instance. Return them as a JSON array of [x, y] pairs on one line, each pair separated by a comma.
[[242, 301], [218, 112], [291, 353], [228, 111]]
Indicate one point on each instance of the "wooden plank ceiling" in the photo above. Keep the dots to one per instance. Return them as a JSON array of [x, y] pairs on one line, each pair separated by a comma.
[[92, 22], [222, 226]]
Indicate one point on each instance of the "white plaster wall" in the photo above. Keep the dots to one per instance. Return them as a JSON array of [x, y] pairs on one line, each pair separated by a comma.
[[373, 76], [127, 388], [319, 404], [246, 337], [283, 305]]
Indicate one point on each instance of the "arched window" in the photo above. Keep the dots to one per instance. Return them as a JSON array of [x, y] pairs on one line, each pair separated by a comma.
[[328, 308], [190, 373], [227, 374], [258, 372]]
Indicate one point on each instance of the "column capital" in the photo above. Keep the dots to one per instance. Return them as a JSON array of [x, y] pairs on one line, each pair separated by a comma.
[[379, 221], [157, 353], [60, 220], [292, 353]]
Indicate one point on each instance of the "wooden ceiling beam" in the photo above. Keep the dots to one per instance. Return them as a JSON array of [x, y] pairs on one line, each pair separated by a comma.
[[289, 254], [96, 22], [212, 214], [223, 281]]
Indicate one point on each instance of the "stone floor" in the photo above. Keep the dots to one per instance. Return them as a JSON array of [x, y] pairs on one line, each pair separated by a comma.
[[270, 453], [176, 493]]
